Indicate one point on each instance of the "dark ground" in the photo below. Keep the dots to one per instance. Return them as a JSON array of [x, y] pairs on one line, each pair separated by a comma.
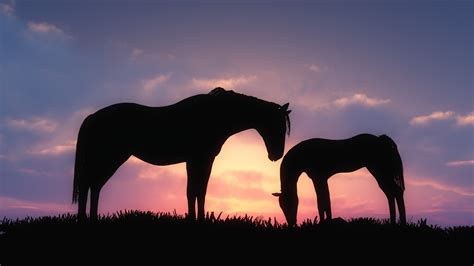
[[159, 238]]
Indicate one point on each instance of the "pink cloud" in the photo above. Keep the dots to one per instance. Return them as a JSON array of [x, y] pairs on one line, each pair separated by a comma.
[[56, 149], [35, 124], [227, 83], [9, 203], [439, 186], [152, 83], [460, 163], [465, 120], [435, 116], [43, 27], [360, 99], [7, 9]]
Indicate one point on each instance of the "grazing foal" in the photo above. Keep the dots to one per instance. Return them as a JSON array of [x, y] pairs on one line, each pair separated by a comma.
[[322, 158]]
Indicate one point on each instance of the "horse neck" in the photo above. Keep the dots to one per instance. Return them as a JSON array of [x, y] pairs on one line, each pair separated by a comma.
[[243, 118]]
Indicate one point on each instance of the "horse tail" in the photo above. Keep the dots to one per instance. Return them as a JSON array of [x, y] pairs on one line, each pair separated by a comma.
[[79, 163], [396, 160]]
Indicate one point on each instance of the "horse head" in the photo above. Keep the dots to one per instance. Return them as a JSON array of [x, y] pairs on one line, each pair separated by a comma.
[[289, 205], [273, 128]]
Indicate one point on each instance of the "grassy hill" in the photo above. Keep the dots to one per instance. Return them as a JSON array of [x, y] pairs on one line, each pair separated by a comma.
[[147, 235]]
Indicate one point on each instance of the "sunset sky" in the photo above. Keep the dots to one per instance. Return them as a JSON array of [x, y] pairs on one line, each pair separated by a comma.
[[401, 68]]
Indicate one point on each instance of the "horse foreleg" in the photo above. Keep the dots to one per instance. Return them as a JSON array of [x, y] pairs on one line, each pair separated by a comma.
[[199, 171], [201, 198], [205, 172], [391, 206], [191, 195]]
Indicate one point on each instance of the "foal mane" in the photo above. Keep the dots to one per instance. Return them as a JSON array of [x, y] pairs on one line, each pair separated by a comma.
[[220, 92]]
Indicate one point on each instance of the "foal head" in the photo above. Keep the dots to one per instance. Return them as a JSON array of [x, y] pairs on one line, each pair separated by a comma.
[[289, 205]]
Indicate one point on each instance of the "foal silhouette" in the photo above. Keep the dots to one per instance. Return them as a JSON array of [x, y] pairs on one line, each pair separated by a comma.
[[322, 158], [192, 131]]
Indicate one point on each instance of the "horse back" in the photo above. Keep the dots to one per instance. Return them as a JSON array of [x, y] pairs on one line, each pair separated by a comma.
[[328, 156]]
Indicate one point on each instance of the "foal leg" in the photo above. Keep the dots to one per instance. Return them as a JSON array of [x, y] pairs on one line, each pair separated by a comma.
[[324, 202], [401, 209]]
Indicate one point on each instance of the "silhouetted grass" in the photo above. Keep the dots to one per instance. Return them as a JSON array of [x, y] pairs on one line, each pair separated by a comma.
[[157, 234]]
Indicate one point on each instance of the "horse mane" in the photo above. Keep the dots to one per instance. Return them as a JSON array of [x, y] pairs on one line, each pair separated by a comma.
[[219, 92], [396, 160]]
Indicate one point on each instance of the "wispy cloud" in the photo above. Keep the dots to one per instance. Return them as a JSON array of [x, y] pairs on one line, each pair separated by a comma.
[[136, 52], [461, 120], [314, 68], [317, 102], [36, 124], [44, 27], [360, 99], [152, 83], [440, 186], [227, 83], [435, 116], [460, 163], [465, 120], [57, 149], [14, 203], [7, 9]]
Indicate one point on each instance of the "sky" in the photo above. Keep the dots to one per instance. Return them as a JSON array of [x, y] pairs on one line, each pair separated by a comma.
[[401, 68]]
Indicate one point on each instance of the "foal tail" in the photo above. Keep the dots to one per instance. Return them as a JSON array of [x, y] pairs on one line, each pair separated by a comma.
[[396, 165]]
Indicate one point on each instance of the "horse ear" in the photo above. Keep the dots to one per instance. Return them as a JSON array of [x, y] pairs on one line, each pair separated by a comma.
[[285, 106], [277, 194]]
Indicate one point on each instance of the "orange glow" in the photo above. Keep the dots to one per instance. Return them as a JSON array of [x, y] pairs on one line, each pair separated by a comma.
[[243, 179]]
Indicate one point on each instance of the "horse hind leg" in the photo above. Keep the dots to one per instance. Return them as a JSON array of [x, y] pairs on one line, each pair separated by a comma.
[[95, 191], [101, 177], [82, 204]]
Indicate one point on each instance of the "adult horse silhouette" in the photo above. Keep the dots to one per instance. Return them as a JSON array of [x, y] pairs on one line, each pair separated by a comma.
[[322, 158], [192, 131]]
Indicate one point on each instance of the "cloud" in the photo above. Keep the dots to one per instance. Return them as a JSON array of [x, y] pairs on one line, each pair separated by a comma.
[[58, 149], [465, 120], [7, 204], [439, 186], [7, 9], [151, 84], [460, 163], [443, 116], [315, 102], [435, 116], [136, 53], [43, 27], [360, 99], [37, 124], [227, 83], [314, 68]]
